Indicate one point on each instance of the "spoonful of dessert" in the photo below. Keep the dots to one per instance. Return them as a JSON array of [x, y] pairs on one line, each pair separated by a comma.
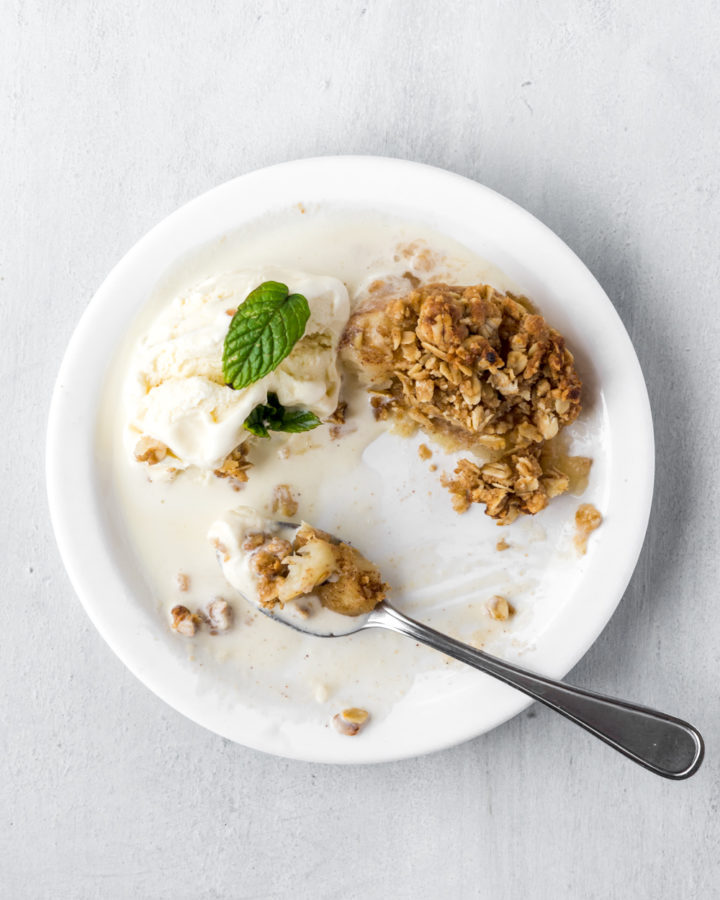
[[320, 585]]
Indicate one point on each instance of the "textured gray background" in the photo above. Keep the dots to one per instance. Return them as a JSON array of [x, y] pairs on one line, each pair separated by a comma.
[[603, 120]]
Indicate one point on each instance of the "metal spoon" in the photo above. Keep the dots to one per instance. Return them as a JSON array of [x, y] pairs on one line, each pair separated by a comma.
[[661, 743]]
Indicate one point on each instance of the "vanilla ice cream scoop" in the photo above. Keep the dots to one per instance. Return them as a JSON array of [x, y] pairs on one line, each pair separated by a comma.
[[176, 392]]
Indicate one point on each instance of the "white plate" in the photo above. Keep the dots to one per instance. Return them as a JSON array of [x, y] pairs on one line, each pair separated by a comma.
[[440, 714]]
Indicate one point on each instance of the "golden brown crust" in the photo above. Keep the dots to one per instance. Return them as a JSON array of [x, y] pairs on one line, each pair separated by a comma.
[[477, 369], [235, 466], [183, 621], [514, 484], [465, 359], [266, 562]]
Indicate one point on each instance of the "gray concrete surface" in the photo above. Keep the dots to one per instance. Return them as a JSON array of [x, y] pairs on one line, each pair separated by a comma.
[[602, 118]]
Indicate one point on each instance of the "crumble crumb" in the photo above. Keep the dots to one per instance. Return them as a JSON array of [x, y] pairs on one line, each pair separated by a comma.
[[266, 563], [500, 609], [338, 416], [337, 420], [502, 544], [587, 519], [182, 581], [424, 452], [514, 484], [350, 721], [253, 541], [235, 466], [220, 549], [432, 467], [284, 501], [183, 621], [219, 615], [150, 451]]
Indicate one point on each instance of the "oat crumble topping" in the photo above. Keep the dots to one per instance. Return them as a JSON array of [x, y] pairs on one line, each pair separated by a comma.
[[424, 452], [467, 359], [235, 466], [268, 566], [253, 541], [516, 483], [478, 369], [217, 617]]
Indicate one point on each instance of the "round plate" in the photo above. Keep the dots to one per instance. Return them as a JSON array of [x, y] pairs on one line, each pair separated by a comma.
[[494, 228]]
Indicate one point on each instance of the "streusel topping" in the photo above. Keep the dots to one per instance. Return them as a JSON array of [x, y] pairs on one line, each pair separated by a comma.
[[466, 360], [478, 369], [517, 483]]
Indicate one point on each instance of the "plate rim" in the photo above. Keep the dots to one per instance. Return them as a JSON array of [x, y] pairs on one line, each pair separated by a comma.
[[62, 489]]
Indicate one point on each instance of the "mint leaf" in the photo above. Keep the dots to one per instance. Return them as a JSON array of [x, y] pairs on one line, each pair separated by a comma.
[[255, 422], [297, 420], [262, 333], [274, 417]]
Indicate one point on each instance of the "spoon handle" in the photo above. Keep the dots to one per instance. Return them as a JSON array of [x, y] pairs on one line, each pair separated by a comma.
[[665, 745]]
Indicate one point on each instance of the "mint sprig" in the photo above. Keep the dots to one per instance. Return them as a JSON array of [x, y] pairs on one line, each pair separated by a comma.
[[262, 333], [273, 416]]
